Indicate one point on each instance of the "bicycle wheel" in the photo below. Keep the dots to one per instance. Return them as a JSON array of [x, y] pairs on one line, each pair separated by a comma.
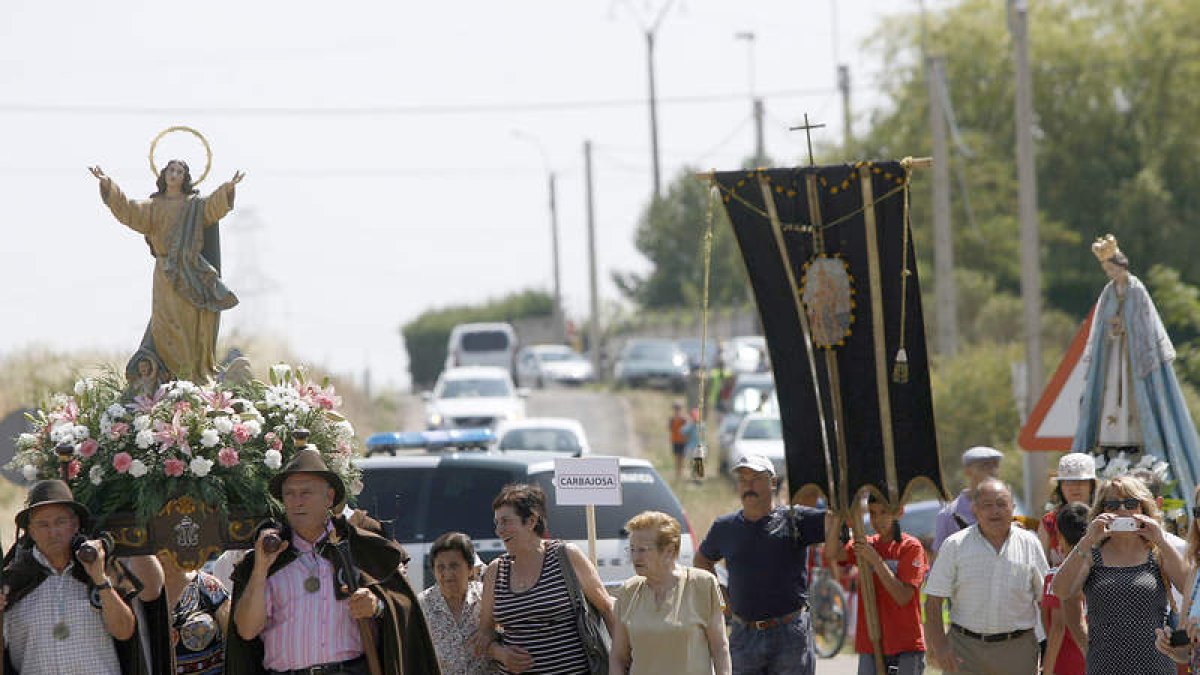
[[827, 602]]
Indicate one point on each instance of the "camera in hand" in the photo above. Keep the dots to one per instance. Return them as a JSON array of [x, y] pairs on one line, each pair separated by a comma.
[[1124, 525], [84, 550], [271, 542], [1179, 638]]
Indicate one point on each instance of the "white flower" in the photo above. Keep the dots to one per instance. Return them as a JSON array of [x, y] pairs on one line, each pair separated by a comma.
[[138, 468], [209, 438], [1146, 462], [30, 472], [281, 372], [223, 424], [26, 441], [254, 427], [62, 433], [81, 432], [144, 439], [84, 385], [200, 466], [141, 423], [273, 459], [356, 486], [115, 411], [290, 419], [337, 463], [96, 475], [344, 430]]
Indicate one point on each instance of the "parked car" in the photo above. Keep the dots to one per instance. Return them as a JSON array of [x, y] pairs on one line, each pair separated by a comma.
[[559, 435], [757, 434], [473, 397], [746, 354], [919, 520], [732, 394], [538, 365], [653, 363], [691, 347], [417, 498], [482, 344]]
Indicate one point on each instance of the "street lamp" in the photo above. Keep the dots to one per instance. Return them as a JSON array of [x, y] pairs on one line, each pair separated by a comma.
[[550, 176], [756, 106]]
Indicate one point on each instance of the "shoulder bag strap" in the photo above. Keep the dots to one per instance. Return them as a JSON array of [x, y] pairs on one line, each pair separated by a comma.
[[568, 571]]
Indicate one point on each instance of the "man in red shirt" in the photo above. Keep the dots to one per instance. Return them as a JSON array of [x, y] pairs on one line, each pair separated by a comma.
[[898, 563]]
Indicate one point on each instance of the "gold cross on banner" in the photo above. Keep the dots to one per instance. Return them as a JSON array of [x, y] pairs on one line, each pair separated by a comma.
[[808, 132]]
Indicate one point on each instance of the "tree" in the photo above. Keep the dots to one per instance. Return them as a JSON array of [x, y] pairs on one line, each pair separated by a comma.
[[671, 235], [1116, 152]]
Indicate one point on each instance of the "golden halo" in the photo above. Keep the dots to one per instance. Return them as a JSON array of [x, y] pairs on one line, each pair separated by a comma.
[[197, 134]]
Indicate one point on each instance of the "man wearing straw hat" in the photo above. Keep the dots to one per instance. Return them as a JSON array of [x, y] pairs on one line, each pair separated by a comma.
[[61, 615], [316, 603]]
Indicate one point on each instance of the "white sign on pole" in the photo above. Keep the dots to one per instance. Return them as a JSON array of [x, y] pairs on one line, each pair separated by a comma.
[[580, 481]]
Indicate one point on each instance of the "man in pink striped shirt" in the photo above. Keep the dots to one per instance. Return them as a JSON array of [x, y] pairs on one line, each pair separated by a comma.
[[318, 603]]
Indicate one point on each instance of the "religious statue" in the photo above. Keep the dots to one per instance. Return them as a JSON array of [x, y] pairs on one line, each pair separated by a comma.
[[1131, 399], [188, 294]]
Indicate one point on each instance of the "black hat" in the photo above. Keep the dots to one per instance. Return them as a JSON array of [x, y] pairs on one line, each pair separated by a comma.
[[47, 493], [307, 460]]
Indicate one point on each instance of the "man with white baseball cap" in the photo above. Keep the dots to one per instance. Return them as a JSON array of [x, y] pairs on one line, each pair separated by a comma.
[[765, 549], [978, 462]]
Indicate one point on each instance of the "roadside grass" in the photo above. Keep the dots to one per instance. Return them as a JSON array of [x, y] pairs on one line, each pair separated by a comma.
[[703, 501]]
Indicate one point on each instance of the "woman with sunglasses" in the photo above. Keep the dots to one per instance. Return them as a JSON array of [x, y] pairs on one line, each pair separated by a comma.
[[1122, 566], [1188, 653]]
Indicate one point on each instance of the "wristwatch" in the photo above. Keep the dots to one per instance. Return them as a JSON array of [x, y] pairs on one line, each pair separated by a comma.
[[104, 585]]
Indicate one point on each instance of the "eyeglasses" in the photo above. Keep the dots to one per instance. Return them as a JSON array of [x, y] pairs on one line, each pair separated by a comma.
[[640, 550], [1129, 503]]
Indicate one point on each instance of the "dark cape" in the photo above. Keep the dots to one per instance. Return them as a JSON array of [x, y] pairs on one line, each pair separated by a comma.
[[402, 636], [23, 573]]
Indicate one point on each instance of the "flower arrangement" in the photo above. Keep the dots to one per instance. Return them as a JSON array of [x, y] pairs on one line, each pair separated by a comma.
[[218, 444]]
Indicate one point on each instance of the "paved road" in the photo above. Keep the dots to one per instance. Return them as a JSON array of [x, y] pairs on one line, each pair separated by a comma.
[[604, 417]]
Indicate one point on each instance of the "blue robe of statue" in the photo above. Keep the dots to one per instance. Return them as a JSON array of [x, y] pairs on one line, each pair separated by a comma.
[[1162, 417]]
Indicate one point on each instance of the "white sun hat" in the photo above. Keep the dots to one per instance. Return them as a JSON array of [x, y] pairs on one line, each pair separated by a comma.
[[1076, 466]]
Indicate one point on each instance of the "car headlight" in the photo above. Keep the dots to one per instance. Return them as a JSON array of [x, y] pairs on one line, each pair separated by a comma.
[[434, 419]]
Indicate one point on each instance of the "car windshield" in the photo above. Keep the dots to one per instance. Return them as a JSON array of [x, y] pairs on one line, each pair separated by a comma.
[[485, 341], [475, 386], [421, 503], [641, 491], [652, 351], [559, 356], [763, 430], [549, 440]]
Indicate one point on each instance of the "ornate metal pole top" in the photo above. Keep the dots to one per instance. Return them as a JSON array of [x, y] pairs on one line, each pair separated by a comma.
[[808, 132]]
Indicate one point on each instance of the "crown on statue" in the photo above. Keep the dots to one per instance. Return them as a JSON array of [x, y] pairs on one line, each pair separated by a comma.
[[1105, 247]]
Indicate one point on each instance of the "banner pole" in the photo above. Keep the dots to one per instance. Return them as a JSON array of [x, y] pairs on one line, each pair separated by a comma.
[[590, 511]]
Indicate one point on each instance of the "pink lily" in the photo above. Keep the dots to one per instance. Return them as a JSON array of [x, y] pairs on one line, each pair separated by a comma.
[[219, 400], [173, 434], [145, 404]]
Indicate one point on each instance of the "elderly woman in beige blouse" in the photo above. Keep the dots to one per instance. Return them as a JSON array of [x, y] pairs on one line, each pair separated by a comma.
[[188, 295], [670, 618]]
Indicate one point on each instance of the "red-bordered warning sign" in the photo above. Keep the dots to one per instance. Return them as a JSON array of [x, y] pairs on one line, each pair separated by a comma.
[[1051, 425]]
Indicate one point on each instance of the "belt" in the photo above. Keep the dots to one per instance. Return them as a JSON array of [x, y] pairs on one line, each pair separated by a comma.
[[324, 668], [990, 637], [773, 622]]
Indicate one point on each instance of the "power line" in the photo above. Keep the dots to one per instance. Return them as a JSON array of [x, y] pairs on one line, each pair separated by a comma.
[[393, 110]]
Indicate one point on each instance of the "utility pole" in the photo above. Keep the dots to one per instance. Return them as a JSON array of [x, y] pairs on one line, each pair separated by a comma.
[[943, 242], [653, 112], [760, 150], [594, 322], [558, 313], [847, 128], [1031, 273]]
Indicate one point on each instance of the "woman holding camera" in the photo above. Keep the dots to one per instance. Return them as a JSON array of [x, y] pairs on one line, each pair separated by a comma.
[[1124, 568]]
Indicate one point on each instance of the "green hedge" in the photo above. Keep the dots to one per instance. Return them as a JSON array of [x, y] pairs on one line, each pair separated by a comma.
[[425, 337]]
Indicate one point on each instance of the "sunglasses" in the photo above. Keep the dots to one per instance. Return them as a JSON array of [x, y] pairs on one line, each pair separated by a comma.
[[1129, 503]]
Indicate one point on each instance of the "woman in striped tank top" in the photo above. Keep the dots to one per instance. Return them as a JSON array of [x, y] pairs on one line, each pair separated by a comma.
[[525, 593]]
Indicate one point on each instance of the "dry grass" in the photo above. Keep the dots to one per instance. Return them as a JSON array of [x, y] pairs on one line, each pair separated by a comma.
[[703, 501]]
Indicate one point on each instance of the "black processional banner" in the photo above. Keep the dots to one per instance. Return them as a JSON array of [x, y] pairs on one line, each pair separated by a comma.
[[852, 371]]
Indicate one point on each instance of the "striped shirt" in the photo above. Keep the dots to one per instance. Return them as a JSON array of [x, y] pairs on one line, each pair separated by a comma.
[[540, 620], [306, 629]]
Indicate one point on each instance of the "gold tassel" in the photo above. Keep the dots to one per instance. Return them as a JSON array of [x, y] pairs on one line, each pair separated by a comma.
[[900, 368]]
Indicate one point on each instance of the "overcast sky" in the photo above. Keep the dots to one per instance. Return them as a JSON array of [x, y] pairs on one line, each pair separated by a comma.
[[383, 173]]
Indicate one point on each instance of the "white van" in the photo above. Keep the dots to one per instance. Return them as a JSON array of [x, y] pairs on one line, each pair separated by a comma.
[[482, 344]]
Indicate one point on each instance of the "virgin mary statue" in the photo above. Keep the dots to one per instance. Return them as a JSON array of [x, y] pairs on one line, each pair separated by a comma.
[[1131, 400], [188, 294]]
